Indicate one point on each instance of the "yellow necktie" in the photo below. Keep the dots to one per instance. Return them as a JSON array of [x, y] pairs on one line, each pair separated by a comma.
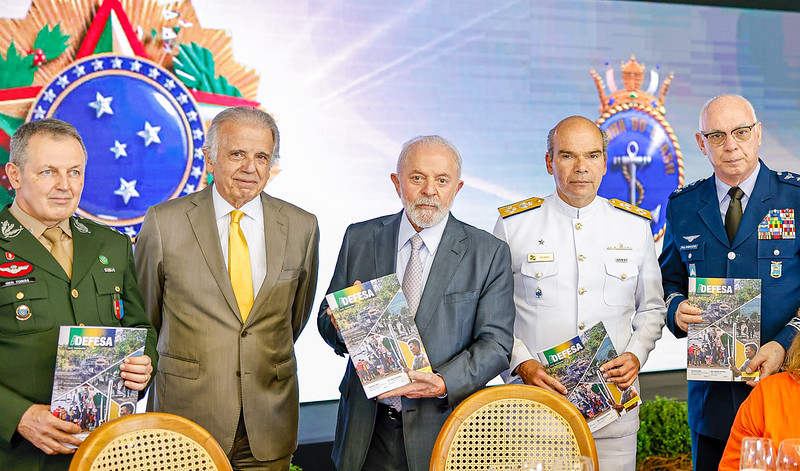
[[58, 250], [239, 265]]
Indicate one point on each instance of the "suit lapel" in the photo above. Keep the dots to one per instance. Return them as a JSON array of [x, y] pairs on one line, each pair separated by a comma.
[[204, 225], [276, 225], [709, 211], [386, 237], [448, 256], [16, 239], [757, 206], [87, 246]]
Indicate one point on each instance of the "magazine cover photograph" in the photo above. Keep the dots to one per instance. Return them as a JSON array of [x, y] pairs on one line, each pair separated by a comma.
[[576, 364], [87, 388], [379, 331], [721, 346]]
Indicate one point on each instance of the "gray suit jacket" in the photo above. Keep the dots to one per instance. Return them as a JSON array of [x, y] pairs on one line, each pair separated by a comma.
[[465, 318], [211, 364]]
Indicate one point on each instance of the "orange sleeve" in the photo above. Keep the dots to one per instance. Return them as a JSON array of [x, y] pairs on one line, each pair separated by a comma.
[[749, 422]]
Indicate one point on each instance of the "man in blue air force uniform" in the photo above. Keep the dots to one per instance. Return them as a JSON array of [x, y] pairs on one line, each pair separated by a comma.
[[580, 259], [719, 227]]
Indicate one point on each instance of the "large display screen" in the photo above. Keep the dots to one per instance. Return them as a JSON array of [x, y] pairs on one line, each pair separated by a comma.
[[350, 81]]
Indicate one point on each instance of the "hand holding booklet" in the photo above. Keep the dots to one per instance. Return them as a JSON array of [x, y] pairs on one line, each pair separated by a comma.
[[379, 331], [576, 364], [87, 387]]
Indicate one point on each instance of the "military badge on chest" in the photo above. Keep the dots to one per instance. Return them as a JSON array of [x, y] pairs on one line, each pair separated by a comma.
[[778, 224]]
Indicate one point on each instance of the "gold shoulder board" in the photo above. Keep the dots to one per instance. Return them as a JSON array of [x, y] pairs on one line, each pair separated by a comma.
[[520, 207], [625, 206]]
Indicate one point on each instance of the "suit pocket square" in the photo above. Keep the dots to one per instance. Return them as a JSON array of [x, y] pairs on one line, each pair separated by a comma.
[[170, 365]]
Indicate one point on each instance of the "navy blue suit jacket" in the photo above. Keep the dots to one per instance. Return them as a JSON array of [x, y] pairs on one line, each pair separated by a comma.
[[694, 211], [465, 318]]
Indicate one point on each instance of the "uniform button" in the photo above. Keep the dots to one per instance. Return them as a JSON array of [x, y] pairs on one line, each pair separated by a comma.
[[244, 333], [581, 291], [689, 256], [20, 295], [578, 226], [624, 276], [581, 258], [731, 255], [116, 288], [239, 374], [74, 293], [581, 326], [538, 274], [776, 252]]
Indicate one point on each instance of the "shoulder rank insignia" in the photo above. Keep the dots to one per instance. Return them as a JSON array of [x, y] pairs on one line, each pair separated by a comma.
[[630, 208], [686, 188], [520, 207], [789, 177]]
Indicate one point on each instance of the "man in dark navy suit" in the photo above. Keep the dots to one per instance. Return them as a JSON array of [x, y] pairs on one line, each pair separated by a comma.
[[719, 227]]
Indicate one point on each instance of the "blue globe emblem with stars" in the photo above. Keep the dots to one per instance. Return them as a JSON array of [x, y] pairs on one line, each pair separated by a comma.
[[142, 130]]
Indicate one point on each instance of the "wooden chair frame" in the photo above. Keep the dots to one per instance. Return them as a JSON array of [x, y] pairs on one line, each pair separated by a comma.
[[489, 395], [106, 434]]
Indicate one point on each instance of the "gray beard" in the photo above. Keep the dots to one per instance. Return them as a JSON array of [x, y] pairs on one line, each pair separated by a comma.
[[425, 218]]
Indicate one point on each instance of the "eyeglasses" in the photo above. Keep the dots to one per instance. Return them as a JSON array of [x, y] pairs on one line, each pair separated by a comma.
[[718, 138]]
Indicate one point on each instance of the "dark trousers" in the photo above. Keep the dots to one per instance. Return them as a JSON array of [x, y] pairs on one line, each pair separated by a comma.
[[387, 451], [706, 452]]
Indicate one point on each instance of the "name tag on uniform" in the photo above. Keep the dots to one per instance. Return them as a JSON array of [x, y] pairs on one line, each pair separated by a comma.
[[540, 257]]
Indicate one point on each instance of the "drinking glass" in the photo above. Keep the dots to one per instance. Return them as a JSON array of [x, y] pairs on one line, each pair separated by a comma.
[[789, 455], [530, 466], [573, 463], [756, 454]]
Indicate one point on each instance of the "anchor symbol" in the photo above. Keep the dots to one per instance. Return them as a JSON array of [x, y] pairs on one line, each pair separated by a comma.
[[631, 162]]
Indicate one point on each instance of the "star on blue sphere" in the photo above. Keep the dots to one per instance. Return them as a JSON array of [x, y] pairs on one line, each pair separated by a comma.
[[150, 134], [119, 149], [127, 190], [102, 105]]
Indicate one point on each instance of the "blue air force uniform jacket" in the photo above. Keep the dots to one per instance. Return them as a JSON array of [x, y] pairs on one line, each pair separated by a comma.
[[696, 243]]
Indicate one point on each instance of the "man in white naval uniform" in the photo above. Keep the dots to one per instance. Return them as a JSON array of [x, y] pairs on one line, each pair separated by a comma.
[[579, 259]]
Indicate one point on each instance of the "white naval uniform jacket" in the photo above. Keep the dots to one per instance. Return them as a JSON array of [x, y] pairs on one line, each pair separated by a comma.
[[599, 265]]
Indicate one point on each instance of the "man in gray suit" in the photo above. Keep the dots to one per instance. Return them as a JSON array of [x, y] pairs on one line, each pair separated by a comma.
[[228, 276], [465, 312]]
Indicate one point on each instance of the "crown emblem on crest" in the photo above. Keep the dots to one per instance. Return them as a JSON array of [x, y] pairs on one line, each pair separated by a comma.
[[633, 73]]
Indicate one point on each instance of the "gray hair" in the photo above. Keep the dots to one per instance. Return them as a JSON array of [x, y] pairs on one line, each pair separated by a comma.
[[429, 141], [551, 136], [55, 128], [705, 107], [246, 115]]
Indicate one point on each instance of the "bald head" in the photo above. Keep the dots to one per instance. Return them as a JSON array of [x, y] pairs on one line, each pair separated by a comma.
[[575, 124], [724, 102], [576, 157], [730, 136]]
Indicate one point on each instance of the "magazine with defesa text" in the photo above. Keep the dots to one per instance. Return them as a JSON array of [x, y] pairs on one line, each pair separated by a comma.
[[721, 346], [87, 387], [379, 330], [576, 364]]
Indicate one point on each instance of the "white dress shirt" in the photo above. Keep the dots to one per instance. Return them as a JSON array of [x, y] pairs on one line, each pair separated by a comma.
[[252, 224], [431, 237]]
